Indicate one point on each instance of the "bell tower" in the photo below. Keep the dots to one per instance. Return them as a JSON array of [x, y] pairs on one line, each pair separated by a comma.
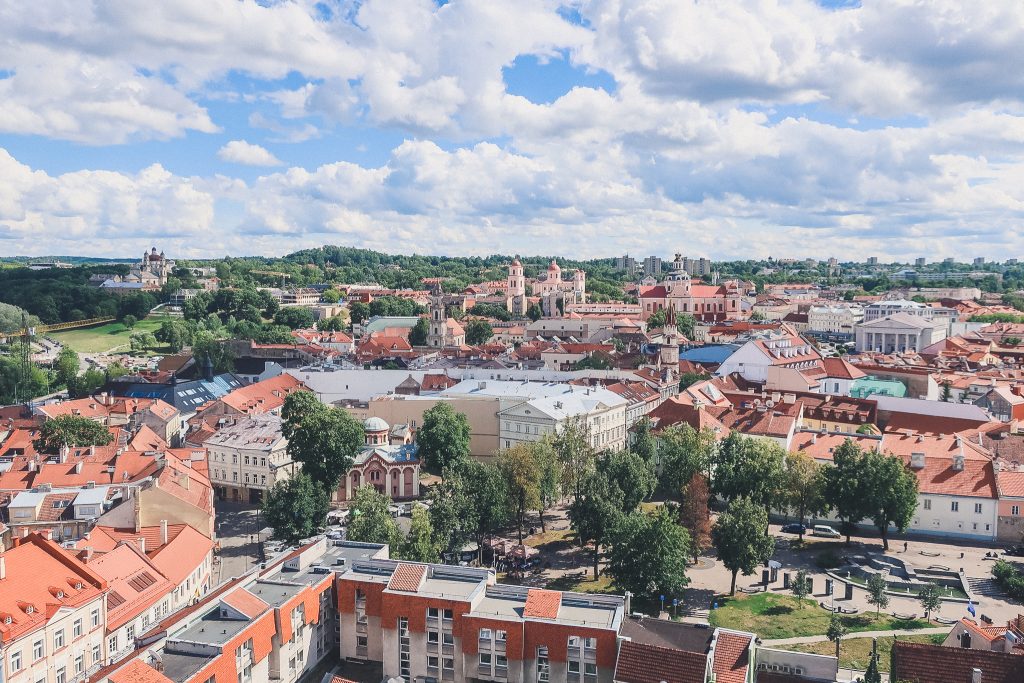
[[438, 319]]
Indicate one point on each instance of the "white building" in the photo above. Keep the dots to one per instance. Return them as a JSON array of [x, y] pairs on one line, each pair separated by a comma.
[[835, 319], [248, 455], [899, 333], [754, 359]]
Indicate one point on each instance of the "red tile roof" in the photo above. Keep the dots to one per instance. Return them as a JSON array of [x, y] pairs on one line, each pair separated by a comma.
[[732, 657], [642, 663], [137, 671], [135, 584], [182, 554], [921, 663], [542, 604], [263, 397], [1011, 483], [841, 369], [407, 577], [246, 603]]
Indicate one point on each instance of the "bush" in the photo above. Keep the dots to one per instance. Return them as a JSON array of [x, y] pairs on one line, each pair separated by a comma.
[[1010, 578], [828, 559]]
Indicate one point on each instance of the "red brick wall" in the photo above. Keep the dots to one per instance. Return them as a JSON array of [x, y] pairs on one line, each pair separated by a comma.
[[346, 591], [414, 607], [471, 632], [556, 637]]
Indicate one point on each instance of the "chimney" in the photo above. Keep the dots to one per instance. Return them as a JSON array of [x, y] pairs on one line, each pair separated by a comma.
[[975, 675], [163, 532]]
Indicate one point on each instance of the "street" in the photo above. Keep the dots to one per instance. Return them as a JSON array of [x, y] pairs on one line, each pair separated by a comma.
[[237, 532]]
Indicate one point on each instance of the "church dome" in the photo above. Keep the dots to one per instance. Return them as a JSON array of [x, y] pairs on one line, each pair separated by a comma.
[[553, 268], [516, 262], [375, 424]]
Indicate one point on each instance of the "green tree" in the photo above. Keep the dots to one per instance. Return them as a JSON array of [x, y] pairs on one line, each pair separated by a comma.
[[595, 512], [741, 539], [695, 514], [876, 592], [836, 631], [947, 392], [330, 296], [66, 367], [70, 430], [140, 341], [644, 443], [575, 453], [930, 598], [336, 323], [175, 334], [683, 452], [444, 437], [420, 545], [891, 493], [804, 487], [518, 468], [296, 508], [550, 476], [753, 468], [418, 333], [845, 485], [649, 554], [453, 514], [872, 674], [478, 332], [129, 322], [370, 520], [534, 312], [801, 587], [358, 312], [656, 319], [324, 439], [294, 317], [632, 474], [206, 346]]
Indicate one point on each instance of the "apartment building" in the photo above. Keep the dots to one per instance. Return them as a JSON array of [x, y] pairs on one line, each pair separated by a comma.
[[834, 319], [52, 614], [248, 455]]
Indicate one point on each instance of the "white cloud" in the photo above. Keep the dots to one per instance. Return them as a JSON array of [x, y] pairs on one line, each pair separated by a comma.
[[242, 152]]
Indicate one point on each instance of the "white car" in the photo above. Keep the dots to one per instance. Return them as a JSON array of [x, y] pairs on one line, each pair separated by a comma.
[[826, 531]]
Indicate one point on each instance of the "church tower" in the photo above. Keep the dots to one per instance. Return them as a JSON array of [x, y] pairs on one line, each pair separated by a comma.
[[516, 290], [438, 319], [669, 353], [579, 286]]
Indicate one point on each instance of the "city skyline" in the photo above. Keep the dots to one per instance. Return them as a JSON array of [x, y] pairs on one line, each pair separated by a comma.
[[584, 129]]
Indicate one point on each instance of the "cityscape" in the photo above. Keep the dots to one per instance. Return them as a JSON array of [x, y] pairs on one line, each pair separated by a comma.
[[523, 342]]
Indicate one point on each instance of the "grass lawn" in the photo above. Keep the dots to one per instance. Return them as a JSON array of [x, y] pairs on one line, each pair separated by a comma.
[[543, 539], [105, 337], [774, 616], [856, 652]]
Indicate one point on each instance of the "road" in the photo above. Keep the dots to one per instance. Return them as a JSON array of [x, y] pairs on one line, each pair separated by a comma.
[[237, 529]]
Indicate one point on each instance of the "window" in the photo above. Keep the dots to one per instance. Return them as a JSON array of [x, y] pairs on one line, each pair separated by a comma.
[[574, 666], [447, 614], [449, 664], [448, 638], [590, 643], [129, 633], [499, 636], [432, 637], [112, 644], [61, 676], [96, 654], [79, 663], [37, 650], [76, 628], [247, 460], [927, 503], [58, 639], [234, 476], [977, 508], [954, 506], [500, 661], [1015, 510], [432, 661], [590, 669], [361, 641], [543, 668], [485, 634], [94, 618], [485, 659], [16, 661]]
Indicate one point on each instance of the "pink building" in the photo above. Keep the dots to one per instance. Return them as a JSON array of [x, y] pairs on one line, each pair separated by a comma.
[[684, 295], [388, 462]]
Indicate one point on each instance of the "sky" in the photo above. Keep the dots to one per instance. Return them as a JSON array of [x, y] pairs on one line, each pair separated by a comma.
[[590, 128]]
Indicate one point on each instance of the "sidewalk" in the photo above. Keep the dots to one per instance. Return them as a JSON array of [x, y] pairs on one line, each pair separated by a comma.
[[859, 634]]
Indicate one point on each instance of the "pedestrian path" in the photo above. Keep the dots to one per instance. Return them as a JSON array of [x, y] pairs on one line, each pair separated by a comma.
[[859, 634]]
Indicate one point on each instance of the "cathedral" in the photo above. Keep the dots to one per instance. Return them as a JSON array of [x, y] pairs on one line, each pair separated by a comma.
[[553, 292], [152, 271]]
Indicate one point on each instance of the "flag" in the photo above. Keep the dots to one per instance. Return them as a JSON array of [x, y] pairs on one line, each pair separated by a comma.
[[970, 608]]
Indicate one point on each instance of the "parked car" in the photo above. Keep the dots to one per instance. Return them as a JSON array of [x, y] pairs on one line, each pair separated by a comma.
[[1016, 551], [826, 531], [793, 528]]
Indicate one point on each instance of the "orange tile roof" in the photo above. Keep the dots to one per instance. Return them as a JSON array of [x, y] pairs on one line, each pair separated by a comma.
[[135, 584], [1011, 483], [246, 603], [40, 578], [137, 671], [147, 440], [732, 657], [645, 663], [542, 604], [182, 554], [407, 577], [263, 397]]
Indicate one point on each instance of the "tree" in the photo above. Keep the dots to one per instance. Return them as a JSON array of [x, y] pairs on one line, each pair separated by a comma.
[[518, 469], [931, 599], [550, 474], [844, 485], [452, 513], [296, 508], [358, 312], [418, 333], [294, 317], [129, 322], [575, 453], [478, 332], [947, 392], [66, 367], [336, 323], [656, 319], [876, 592], [70, 430], [683, 452], [140, 341], [836, 631], [176, 334], [649, 554], [800, 586], [330, 296], [206, 346], [534, 312], [631, 474], [872, 674], [695, 515], [741, 539], [595, 512], [644, 443], [444, 437], [890, 492], [324, 439], [804, 486], [420, 545], [470, 502], [753, 468], [370, 520]]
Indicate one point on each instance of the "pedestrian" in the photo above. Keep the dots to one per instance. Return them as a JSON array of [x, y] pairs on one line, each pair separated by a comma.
[[904, 546]]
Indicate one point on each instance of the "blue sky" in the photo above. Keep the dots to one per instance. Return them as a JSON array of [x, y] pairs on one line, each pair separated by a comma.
[[586, 128]]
